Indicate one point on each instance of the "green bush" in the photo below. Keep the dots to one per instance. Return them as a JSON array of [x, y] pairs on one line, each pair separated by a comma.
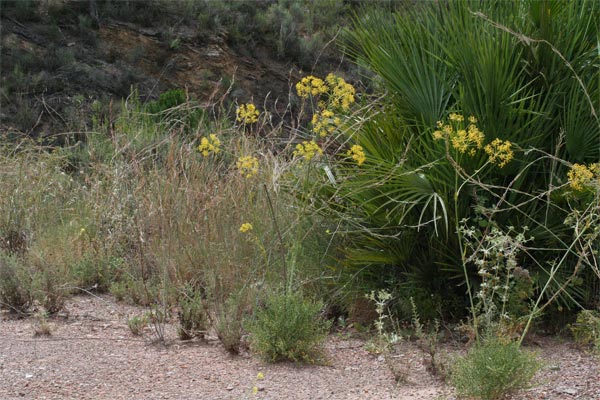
[[15, 291], [192, 314], [228, 322], [492, 369], [288, 327], [586, 329], [137, 323]]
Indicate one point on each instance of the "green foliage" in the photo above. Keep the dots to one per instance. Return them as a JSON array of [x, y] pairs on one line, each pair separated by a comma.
[[193, 321], [15, 287], [228, 321], [169, 99], [586, 329], [288, 327], [493, 369], [95, 273], [137, 323], [404, 204]]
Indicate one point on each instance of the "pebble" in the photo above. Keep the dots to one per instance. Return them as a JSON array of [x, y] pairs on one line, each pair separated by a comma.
[[566, 390]]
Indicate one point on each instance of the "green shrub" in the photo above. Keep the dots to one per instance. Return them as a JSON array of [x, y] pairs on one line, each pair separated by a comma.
[[15, 291], [49, 288], [192, 315], [93, 274], [288, 327], [228, 323], [137, 323], [169, 99], [492, 369], [586, 329]]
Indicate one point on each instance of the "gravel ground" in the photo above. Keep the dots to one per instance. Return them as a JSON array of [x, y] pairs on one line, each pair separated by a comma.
[[91, 354]]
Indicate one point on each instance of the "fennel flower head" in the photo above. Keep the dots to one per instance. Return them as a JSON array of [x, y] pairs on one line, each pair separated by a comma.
[[210, 144], [307, 150], [247, 166], [247, 113], [246, 227]]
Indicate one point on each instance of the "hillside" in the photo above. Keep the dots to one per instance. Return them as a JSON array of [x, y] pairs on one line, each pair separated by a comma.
[[61, 59]]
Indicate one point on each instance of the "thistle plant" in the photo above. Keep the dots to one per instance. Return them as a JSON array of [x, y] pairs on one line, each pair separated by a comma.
[[384, 339], [495, 255]]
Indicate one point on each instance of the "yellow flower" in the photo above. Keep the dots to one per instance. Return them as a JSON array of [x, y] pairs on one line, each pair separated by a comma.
[[342, 93], [311, 86], [463, 140], [246, 226], [324, 122], [209, 145], [247, 113], [260, 376], [255, 390], [581, 176], [456, 117], [248, 166], [357, 153], [308, 150], [500, 152]]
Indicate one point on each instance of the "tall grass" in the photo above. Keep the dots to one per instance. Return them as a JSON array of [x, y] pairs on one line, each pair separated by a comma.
[[139, 211]]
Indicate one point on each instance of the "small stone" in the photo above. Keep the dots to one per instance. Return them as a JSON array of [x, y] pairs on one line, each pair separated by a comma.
[[28, 376], [567, 390], [554, 368], [381, 358], [230, 388]]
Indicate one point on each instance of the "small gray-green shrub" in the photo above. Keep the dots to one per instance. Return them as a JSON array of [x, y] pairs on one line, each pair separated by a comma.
[[228, 322], [493, 369], [15, 291], [137, 323], [288, 327], [192, 314]]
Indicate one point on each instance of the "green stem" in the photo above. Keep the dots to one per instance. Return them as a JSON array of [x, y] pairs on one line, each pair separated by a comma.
[[462, 256]]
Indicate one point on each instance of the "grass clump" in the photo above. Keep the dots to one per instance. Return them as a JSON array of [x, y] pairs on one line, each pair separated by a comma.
[[15, 291], [288, 327], [493, 369], [192, 314], [137, 323]]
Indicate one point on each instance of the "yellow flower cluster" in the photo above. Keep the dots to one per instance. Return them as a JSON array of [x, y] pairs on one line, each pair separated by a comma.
[[500, 152], [357, 153], [342, 93], [311, 86], [463, 140], [337, 95], [247, 113], [581, 176], [209, 145], [308, 150], [325, 122], [248, 166], [246, 226]]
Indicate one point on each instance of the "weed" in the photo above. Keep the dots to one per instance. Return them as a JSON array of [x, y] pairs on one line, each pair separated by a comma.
[[15, 290], [428, 343], [586, 329], [288, 327], [137, 323], [42, 327], [384, 340], [228, 322], [493, 369], [193, 321]]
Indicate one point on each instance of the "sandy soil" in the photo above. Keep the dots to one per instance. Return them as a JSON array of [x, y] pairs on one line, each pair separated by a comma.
[[91, 354]]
